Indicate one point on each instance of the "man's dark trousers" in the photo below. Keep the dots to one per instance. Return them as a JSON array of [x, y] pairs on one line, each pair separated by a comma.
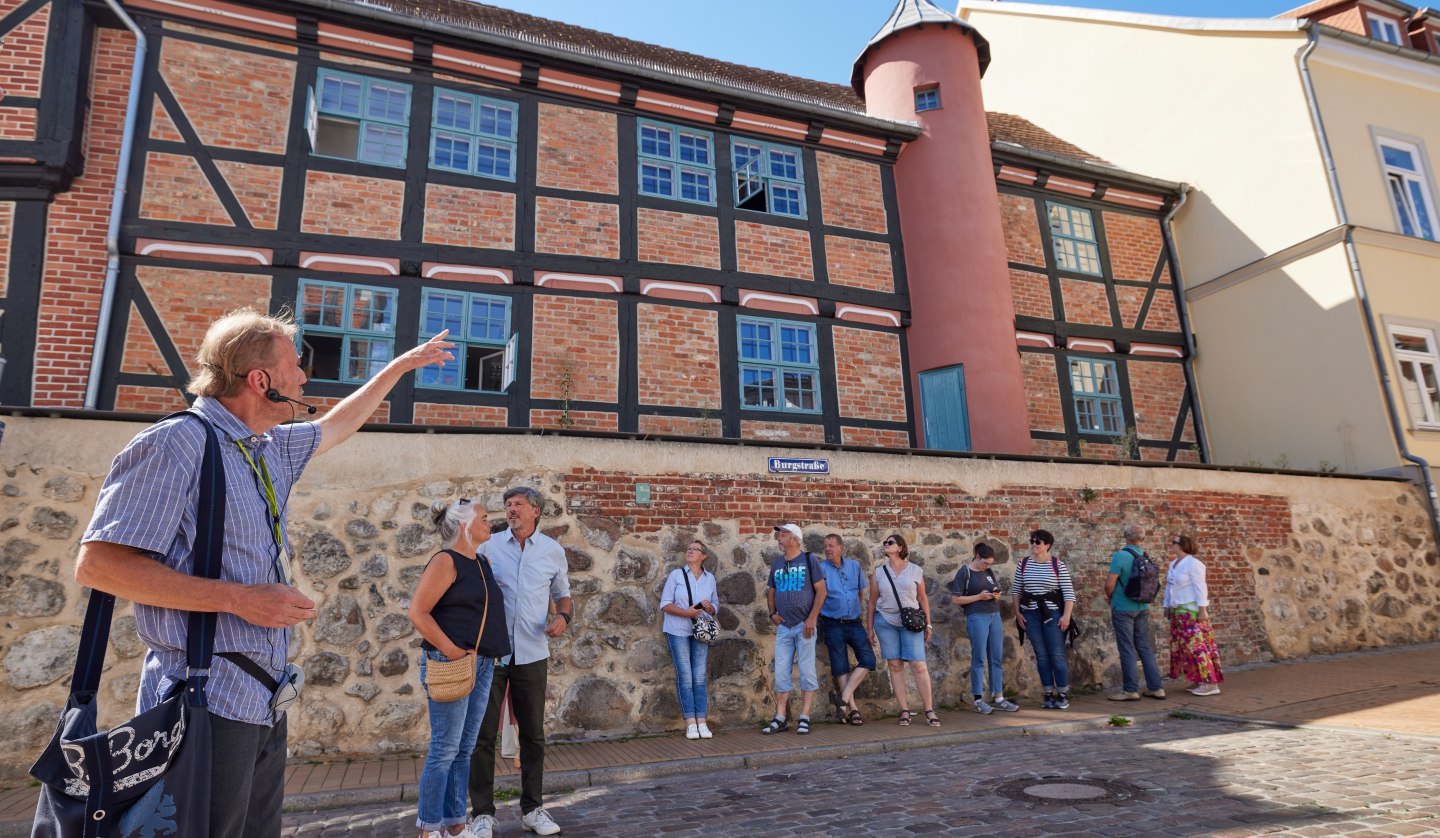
[[527, 701]]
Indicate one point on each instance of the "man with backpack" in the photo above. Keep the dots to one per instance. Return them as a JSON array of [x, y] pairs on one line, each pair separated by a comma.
[[1132, 584], [795, 594]]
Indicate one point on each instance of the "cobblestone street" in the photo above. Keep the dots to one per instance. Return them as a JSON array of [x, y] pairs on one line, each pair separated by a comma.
[[1177, 777]]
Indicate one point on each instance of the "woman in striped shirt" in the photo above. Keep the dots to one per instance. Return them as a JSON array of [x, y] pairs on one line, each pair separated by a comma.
[[1044, 598]]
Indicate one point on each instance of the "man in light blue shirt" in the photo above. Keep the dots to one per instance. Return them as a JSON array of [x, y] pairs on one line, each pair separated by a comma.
[[840, 623], [531, 570]]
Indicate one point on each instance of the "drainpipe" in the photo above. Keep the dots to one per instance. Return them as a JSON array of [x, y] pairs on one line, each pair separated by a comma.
[[1357, 278], [1184, 313], [117, 206]]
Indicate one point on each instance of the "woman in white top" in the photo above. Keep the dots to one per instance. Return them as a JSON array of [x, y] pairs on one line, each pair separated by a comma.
[[680, 604], [1194, 654], [900, 584]]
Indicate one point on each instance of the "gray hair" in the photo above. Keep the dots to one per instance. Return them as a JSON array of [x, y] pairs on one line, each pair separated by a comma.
[[1133, 532], [241, 341], [450, 517], [531, 495]]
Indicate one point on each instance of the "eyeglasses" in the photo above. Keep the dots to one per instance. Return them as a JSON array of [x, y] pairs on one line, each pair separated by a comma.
[[1175, 544], [693, 550], [464, 501], [889, 542]]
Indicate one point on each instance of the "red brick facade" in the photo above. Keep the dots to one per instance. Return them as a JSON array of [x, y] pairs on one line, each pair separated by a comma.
[[865, 360], [577, 228], [781, 431], [1085, 301], [576, 351], [229, 96], [574, 420], [679, 357], [469, 217], [859, 263], [678, 238], [189, 300], [257, 188], [351, 205], [766, 249], [176, 190], [850, 193], [876, 437], [25, 50], [577, 149], [1031, 292], [463, 415], [1042, 392], [1022, 231]]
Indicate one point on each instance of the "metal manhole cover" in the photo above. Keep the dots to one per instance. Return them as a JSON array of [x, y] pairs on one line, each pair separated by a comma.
[[1064, 790]]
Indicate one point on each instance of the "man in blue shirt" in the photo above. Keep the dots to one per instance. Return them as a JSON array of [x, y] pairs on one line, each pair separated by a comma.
[[840, 623], [1131, 620], [139, 544]]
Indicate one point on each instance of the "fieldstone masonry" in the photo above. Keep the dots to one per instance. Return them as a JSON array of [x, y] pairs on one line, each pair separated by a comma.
[[1297, 566]]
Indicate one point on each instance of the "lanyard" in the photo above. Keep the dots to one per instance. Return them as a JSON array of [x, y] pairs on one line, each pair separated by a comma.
[[262, 473]]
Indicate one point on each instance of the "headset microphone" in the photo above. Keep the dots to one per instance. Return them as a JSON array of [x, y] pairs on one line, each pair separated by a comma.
[[275, 396]]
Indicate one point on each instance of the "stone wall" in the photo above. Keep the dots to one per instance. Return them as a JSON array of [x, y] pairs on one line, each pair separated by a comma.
[[1297, 566]]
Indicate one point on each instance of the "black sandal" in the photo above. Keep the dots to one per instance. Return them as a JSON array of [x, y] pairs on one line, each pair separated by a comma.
[[776, 725], [932, 718], [904, 718], [838, 705], [802, 726], [854, 718]]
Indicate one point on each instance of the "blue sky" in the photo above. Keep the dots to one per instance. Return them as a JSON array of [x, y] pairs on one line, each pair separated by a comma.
[[762, 33]]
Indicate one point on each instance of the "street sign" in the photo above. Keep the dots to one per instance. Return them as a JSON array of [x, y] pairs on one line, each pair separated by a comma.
[[795, 465]]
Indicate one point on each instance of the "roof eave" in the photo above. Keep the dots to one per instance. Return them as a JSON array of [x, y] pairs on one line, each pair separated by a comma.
[[1111, 175]]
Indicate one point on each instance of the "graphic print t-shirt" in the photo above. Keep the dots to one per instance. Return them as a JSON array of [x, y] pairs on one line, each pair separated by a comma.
[[794, 584]]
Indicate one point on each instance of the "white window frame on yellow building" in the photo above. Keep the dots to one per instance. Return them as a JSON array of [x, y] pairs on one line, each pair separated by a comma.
[[1424, 410], [1421, 177]]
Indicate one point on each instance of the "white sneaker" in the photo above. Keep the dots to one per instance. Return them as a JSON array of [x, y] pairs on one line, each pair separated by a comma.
[[692, 732], [540, 823], [483, 826], [1206, 689], [434, 833], [705, 731]]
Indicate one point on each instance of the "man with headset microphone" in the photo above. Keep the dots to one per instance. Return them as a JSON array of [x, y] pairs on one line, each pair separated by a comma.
[[138, 545]]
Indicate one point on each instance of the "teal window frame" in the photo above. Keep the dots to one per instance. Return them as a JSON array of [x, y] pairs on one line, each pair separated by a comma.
[[474, 134], [666, 167], [344, 328], [1099, 408], [770, 350], [779, 175], [364, 116], [927, 99], [1072, 236], [469, 348]]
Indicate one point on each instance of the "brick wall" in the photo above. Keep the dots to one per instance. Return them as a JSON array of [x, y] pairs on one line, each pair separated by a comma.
[[859, 263], [24, 50], [1162, 316], [868, 374], [141, 352], [176, 190], [679, 356], [350, 205], [577, 149], [1157, 390], [233, 99], [188, 301], [1031, 293], [1051, 447], [1135, 245], [781, 431], [162, 400], [578, 228], [162, 127], [323, 404], [778, 251], [1085, 301], [1022, 231], [467, 415], [17, 123], [850, 193], [1042, 392], [75, 237], [257, 188], [469, 217], [678, 238], [1130, 300], [575, 420], [682, 425], [876, 437], [576, 337]]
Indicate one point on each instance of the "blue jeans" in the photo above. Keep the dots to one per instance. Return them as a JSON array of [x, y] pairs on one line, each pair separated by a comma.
[[1132, 636], [690, 656], [454, 725], [791, 647], [840, 637], [1049, 644], [987, 644]]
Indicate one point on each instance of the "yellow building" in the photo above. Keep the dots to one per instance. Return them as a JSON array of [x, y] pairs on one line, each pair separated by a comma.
[[1308, 245]]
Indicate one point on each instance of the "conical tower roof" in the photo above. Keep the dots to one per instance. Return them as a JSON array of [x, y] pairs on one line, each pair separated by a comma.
[[910, 13]]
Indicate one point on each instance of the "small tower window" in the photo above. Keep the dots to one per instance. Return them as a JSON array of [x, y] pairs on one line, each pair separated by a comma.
[[927, 99], [1383, 29]]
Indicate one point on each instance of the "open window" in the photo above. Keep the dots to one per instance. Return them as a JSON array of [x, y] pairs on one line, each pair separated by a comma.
[[347, 332], [768, 178], [479, 326], [358, 118]]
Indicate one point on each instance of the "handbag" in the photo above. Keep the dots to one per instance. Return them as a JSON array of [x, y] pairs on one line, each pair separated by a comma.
[[703, 625], [151, 775], [912, 619], [453, 680]]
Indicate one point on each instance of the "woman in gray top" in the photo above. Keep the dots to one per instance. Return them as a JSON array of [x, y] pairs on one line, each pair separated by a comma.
[[899, 584]]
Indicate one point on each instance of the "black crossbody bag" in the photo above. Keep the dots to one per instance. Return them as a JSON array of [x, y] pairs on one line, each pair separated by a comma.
[[151, 775]]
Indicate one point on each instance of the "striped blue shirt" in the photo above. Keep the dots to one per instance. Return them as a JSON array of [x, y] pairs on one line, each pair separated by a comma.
[[148, 503]]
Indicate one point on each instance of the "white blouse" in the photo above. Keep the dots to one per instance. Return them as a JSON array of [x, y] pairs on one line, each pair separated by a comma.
[[1185, 583]]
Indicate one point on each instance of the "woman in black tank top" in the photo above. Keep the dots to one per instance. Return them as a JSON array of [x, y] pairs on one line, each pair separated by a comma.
[[457, 607]]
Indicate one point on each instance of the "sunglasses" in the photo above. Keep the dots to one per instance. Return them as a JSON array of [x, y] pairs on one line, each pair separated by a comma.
[[889, 542], [1037, 541]]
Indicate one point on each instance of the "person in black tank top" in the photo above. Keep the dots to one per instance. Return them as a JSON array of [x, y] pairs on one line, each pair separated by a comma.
[[459, 611]]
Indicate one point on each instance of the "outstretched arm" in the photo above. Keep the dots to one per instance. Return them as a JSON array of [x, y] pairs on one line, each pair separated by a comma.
[[345, 418]]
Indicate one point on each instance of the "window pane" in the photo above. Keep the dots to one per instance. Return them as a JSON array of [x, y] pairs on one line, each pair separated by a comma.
[[755, 341], [1422, 211], [322, 305], [494, 160], [1060, 222], [340, 95], [695, 186], [487, 320], [1402, 205], [454, 112], [784, 164], [1399, 158], [795, 345], [656, 180], [757, 387], [695, 149], [1087, 258], [496, 121], [384, 144], [371, 310], [785, 200], [655, 141], [1110, 419], [800, 390], [388, 102], [1411, 343], [442, 311], [452, 151], [446, 376], [367, 357]]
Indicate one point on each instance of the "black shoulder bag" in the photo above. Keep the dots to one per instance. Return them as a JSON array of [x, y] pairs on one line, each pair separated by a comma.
[[151, 775], [912, 619]]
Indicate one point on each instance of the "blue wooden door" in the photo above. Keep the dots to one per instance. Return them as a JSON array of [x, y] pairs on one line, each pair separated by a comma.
[[942, 403]]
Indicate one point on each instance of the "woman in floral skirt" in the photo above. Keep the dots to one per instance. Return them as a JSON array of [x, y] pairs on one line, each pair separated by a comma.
[[1193, 653]]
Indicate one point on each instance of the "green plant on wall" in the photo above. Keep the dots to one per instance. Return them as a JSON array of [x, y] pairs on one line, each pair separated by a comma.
[[567, 391], [1127, 445]]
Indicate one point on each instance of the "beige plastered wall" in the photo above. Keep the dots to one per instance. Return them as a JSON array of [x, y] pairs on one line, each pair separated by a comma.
[[1285, 371]]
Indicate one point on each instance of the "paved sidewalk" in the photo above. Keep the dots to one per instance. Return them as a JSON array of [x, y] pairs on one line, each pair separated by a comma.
[[1387, 691]]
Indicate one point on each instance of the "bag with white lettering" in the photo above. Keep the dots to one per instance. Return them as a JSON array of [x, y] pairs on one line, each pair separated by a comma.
[[151, 775]]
